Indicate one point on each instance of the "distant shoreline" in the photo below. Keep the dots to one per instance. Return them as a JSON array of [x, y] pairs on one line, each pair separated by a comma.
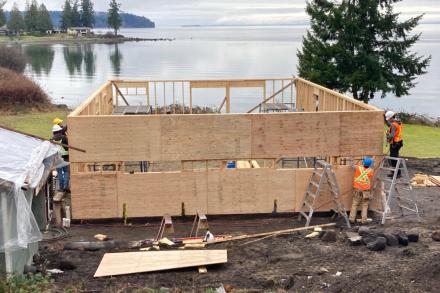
[[61, 40]]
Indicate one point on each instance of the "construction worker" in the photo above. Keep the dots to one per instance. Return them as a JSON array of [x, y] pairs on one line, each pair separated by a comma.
[[63, 172], [394, 137], [59, 122], [362, 189]]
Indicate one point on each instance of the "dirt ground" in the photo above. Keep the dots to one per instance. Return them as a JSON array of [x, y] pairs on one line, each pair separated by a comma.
[[285, 263]]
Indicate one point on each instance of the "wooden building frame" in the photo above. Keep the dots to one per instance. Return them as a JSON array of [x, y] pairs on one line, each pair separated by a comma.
[[319, 123]]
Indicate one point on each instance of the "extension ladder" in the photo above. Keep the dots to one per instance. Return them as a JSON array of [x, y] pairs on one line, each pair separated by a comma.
[[405, 197], [324, 175]]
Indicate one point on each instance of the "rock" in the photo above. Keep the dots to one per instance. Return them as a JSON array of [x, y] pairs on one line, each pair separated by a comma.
[[378, 244], [391, 239], [29, 269], [322, 270], [435, 235], [329, 236], [403, 239], [354, 238], [368, 239], [413, 236], [286, 283], [364, 231], [67, 265], [408, 252], [164, 290]]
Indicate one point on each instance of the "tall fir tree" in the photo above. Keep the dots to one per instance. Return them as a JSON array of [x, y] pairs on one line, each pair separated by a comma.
[[87, 13], [360, 46], [2, 13], [66, 17], [76, 16], [114, 19], [31, 16], [16, 21], [44, 20]]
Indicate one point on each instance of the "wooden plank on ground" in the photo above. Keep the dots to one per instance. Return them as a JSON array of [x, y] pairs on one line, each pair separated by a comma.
[[113, 264]]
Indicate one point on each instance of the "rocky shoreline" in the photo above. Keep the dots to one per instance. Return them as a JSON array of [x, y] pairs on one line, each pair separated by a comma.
[[101, 39]]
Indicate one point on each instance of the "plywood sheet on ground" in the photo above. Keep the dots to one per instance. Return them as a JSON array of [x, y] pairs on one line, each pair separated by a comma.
[[94, 196], [113, 264]]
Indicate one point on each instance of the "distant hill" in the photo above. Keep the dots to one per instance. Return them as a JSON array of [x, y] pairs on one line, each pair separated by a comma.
[[128, 20]]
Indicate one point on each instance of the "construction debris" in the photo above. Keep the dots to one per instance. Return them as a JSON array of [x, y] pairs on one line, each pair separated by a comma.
[[101, 237], [113, 264], [423, 180], [273, 233], [435, 235]]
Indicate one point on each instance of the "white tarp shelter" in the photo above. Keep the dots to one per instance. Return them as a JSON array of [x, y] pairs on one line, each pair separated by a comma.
[[25, 164]]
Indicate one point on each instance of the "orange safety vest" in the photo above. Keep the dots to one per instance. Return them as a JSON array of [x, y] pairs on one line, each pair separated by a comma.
[[362, 178], [398, 135]]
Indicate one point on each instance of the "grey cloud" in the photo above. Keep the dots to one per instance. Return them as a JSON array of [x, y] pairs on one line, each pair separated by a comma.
[[178, 12]]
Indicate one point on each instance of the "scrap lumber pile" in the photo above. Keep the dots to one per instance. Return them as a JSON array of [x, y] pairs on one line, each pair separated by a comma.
[[423, 180]]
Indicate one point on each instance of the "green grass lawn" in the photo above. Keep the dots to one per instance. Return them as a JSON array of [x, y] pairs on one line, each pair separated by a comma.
[[420, 141], [34, 123]]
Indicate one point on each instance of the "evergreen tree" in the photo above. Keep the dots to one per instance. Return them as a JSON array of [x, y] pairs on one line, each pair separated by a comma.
[[31, 16], [360, 46], [44, 20], [87, 13], [66, 17], [16, 21], [114, 19], [2, 13], [76, 16]]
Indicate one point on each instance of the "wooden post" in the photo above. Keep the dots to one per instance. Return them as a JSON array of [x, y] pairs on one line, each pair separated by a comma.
[[164, 99], [228, 99], [183, 97], [174, 100], [282, 93], [155, 98], [190, 100], [291, 97], [147, 91], [273, 91]]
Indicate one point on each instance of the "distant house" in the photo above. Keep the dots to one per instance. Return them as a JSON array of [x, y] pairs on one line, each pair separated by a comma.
[[4, 31], [79, 30], [57, 31]]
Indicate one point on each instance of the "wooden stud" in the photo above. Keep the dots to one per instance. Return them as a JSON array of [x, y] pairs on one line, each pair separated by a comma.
[[228, 100]]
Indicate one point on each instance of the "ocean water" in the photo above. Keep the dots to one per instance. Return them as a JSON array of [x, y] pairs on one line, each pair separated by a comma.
[[70, 72]]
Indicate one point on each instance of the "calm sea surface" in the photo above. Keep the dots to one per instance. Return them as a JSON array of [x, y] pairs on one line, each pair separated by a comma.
[[71, 72]]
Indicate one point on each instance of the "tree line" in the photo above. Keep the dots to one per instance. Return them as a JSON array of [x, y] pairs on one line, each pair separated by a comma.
[[75, 13]]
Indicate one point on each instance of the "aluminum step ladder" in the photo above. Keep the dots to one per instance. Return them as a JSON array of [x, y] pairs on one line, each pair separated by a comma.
[[395, 186], [322, 175]]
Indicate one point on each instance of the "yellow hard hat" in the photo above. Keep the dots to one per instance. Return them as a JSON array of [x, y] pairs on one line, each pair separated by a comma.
[[57, 121]]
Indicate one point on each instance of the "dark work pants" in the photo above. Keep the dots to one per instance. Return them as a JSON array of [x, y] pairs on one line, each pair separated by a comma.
[[394, 152]]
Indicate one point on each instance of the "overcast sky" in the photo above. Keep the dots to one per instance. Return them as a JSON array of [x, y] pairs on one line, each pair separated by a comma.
[[230, 12]]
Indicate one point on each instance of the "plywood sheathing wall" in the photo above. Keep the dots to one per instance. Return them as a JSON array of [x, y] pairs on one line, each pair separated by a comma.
[[233, 136], [236, 191]]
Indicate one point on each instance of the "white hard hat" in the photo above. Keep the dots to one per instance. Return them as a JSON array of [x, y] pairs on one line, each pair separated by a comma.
[[389, 115], [56, 128]]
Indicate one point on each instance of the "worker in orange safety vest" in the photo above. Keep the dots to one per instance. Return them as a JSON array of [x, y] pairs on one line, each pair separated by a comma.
[[362, 189], [394, 137]]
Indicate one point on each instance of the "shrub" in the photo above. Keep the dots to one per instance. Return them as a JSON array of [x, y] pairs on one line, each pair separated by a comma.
[[26, 283], [12, 58], [17, 93]]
